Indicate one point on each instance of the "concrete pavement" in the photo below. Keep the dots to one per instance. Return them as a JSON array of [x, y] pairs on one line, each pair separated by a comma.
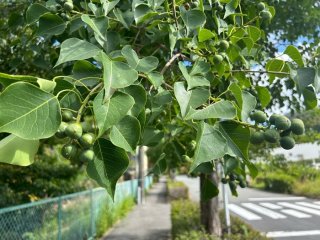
[[279, 216], [149, 221]]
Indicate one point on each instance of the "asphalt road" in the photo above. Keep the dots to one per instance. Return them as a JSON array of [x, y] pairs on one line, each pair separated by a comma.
[[278, 216]]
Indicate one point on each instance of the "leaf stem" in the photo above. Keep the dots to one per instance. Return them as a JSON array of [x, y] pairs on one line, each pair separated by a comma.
[[168, 64], [86, 100]]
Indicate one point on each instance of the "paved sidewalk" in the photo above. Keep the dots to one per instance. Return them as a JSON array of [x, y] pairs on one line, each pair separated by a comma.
[[150, 221]]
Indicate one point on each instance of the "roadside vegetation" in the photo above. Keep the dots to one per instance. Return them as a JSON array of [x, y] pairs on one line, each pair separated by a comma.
[[279, 175]]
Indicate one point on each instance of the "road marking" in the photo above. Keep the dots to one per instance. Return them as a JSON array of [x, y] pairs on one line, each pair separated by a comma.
[[270, 205], [317, 202], [279, 234], [301, 208], [306, 204], [264, 211], [276, 199], [295, 213], [243, 212]]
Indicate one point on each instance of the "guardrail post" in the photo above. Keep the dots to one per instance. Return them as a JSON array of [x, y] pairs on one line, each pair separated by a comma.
[[59, 218]]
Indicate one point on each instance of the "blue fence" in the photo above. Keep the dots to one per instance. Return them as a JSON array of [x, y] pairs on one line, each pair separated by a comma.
[[71, 217]]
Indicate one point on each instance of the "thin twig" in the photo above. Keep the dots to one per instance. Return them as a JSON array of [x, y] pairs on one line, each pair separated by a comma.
[[86, 100], [175, 13], [258, 71], [174, 57]]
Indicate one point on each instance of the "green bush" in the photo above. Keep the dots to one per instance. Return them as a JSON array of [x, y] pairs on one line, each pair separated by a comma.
[[109, 215], [277, 182], [177, 190], [185, 219], [307, 188]]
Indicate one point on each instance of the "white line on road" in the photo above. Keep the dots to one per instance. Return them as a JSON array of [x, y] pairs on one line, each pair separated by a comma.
[[301, 208], [270, 205], [295, 213], [243, 212], [264, 211], [317, 202], [279, 234], [276, 199], [307, 204]]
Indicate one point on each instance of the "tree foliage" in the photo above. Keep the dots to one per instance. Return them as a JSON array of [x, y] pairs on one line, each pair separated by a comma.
[[146, 73]]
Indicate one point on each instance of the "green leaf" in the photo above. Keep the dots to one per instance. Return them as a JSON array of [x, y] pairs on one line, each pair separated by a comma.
[[230, 164], [264, 96], [109, 164], [142, 12], [208, 190], [140, 98], [249, 104], [231, 8], [205, 34], [277, 65], [200, 68], [34, 12], [193, 80], [222, 109], [46, 85], [145, 65], [160, 166], [193, 98], [155, 78], [108, 6], [29, 112], [303, 77], [71, 100], [237, 93], [99, 25], [211, 145], [310, 98], [76, 49], [51, 24], [151, 136], [237, 137], [193, 18], [88, 73], [111, 111], [254, 33], [7, 79], [294, 54], [18, 151], [126, 133], [116, 74]]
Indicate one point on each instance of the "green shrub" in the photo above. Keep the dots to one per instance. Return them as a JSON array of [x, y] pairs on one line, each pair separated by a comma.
[[307, 188], [195, 235], [184, 217], [277, 182], [177, 190]]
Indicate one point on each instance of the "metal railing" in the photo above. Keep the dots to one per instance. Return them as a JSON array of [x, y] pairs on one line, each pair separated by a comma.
[[70, 217]]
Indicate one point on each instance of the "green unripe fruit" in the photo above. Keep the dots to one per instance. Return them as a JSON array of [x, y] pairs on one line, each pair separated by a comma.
[[224, 45], [68, 6], [67, 116], [217, 59], [265, 15], [86, 156], [285, 133], [233, 186], [258, 116], [271, 135], [232, 177], [287, 142], [297, 126], [61, 130], [282, 123], [257, 137], [87, 140], [242, 184], [192, 145], [261, 6], [87, 126], [273, 117], [69, 151], [224, 180], [74, 130], [186, 158]]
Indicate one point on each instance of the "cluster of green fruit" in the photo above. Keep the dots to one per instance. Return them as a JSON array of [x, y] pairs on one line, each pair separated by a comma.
[[234, 180], [67, 4], [223, 46], [265, 14], [81, 137], [280, 129]]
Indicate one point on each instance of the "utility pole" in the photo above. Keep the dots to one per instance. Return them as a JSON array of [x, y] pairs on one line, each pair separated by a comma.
[[141, 175], [225, 201]]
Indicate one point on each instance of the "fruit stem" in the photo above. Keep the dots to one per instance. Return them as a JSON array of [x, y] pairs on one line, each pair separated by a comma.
[[86, 100]]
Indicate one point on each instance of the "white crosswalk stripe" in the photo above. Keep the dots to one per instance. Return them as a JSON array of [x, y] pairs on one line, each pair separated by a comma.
[[300, 208], [318, 202], [307, 204], [295, 213], [264, 211], [270, 205], [275, 199], [243, 212], [279, 234]]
